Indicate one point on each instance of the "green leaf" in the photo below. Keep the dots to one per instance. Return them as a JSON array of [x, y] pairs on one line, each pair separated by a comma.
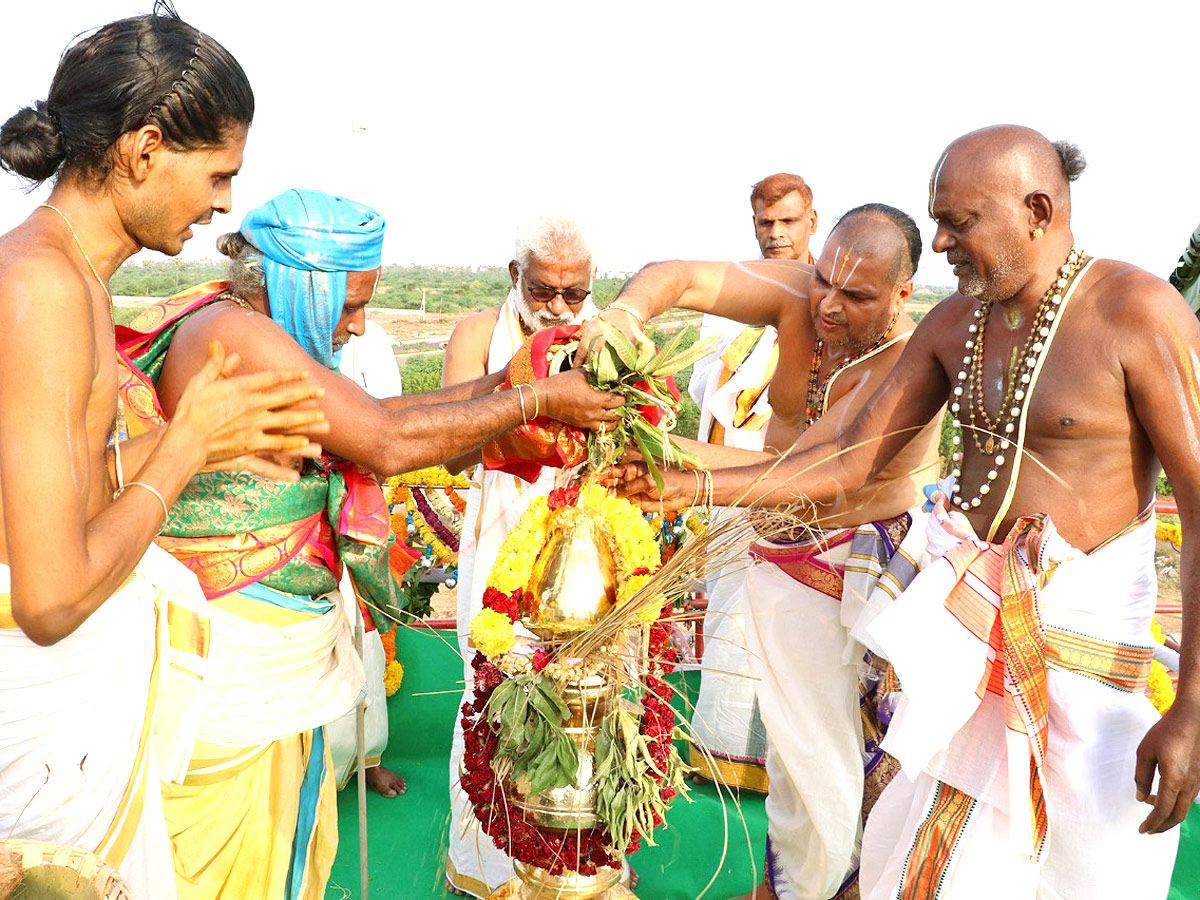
[[645, 355], [548, 691], [648, 456], [668, 351], [606, 369], [669, 365], [625, 350]]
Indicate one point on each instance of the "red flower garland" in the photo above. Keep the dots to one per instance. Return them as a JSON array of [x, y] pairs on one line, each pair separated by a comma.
[[582, 851]]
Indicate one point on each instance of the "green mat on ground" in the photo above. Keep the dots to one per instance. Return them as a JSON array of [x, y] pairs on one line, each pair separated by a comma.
[[407, 835]]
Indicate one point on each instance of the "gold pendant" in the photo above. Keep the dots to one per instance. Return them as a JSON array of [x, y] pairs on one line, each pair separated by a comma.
[[989, 446]]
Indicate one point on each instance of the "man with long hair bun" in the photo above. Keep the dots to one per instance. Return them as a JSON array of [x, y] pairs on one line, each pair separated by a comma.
[[103, 635]]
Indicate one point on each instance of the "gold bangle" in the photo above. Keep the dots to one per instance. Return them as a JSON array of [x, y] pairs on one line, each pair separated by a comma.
[[162, 501], [621, 307], [696, 499], [537, 402]]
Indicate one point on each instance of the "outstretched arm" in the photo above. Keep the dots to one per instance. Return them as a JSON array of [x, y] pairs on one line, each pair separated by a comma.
[[1162, 373], [835, 457], [361, 429], [760, 292]]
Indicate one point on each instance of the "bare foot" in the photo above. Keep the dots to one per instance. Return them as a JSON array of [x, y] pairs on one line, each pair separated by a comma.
[[451, 889], [386, 782], [633, 878]]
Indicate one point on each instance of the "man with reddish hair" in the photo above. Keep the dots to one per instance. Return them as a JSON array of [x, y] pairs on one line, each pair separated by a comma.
[[731, 386], [784, 218]]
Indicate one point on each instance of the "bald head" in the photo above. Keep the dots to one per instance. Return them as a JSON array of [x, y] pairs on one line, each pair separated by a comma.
[[1017, 161], [1001, 198], [876, 229]]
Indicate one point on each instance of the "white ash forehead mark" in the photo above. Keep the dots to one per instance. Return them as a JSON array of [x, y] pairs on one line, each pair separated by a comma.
[[933, 181]]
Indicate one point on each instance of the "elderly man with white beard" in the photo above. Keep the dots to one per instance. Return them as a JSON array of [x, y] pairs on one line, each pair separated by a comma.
[[551, 285]]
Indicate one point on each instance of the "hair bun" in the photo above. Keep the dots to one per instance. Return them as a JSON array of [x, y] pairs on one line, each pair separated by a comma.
[[31, 144], [232, 244]]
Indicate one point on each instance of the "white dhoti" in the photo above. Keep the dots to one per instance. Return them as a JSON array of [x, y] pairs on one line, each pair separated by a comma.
[[726, 720], [802, 603], [80, 745], [342, 734], [1023, 670], [731, 386], [369, 360]]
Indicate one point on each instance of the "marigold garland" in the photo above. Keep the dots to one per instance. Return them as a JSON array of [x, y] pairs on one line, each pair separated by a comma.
[[1169, 531], [432, 476], [393, 676], [442, 542], [429, 499], [636, 548], [1160, 689]]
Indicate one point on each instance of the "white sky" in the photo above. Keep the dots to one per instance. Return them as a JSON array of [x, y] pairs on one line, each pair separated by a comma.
[[652, 119]]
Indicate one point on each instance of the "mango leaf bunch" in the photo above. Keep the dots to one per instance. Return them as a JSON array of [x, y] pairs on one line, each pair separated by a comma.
[[641, 373], [531, 714]]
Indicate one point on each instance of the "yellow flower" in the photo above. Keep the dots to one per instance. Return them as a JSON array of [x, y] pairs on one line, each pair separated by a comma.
[[631, 586], [1156, 630], [393, 675], [492, 634], [433, 476], [1162, 692], [1168, 531]]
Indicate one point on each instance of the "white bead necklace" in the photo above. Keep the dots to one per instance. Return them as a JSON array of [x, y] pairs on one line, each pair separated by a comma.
[[995, 436]]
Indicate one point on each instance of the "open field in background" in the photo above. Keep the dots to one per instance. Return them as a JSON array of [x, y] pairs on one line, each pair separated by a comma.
[[450, 294]]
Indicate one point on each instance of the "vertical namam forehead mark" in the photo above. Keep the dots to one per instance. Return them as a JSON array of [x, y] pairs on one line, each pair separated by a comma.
[[933, 180], [839, 277]]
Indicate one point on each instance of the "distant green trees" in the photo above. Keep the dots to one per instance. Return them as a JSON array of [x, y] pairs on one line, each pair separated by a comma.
[[162, 279], [448, 289]]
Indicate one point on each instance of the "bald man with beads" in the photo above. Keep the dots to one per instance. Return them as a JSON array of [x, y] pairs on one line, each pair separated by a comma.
[[841, 329], [1034, 766]]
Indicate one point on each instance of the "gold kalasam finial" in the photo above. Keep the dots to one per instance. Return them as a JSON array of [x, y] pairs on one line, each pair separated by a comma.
[[574, 581]]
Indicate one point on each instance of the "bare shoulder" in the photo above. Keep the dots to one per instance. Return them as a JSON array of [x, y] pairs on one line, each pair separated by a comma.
[[1122, 292], [946, 323], [476, 326], [258, 339], [1132, 305], [47, 301], [39, 272], [472, 336]]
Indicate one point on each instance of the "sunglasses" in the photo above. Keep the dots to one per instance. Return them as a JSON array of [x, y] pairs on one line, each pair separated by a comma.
[[571, 296]]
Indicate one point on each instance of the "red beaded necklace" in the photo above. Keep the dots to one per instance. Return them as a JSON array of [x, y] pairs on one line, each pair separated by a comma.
[[814, 406]]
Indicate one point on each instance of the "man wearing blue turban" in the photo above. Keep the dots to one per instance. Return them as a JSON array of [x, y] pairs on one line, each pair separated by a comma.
[[256, 815], [309, 242]]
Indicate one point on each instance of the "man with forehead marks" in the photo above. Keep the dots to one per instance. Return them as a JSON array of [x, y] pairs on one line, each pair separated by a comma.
[[841, 330], [1026, 741]]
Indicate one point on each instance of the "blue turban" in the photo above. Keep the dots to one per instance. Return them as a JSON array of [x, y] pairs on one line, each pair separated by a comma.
[[309, 241]]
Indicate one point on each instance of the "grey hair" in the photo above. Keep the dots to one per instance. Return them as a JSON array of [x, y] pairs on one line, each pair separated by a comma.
[[245, 272], [552, 239], [1072, 159]]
